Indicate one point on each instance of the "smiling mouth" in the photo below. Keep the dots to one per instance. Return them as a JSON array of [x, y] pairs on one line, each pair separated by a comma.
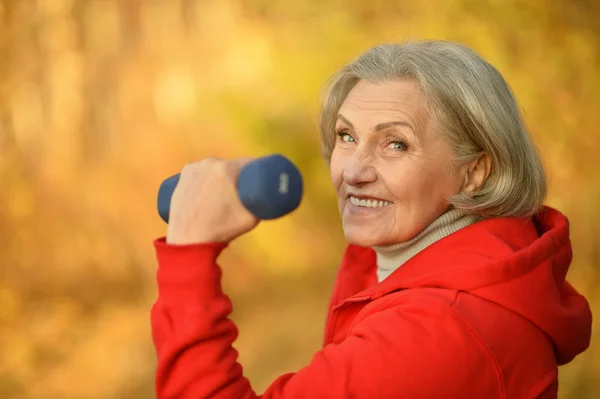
[[368, 203]]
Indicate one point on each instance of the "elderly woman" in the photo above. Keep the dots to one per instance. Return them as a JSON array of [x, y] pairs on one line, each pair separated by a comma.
[[453, 282]]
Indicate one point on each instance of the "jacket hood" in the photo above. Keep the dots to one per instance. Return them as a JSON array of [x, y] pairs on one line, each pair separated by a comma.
[[518, 263]]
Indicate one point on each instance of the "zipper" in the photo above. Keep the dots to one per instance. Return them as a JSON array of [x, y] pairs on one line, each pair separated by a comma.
[[332, 318], [374, 295], [352, 300]]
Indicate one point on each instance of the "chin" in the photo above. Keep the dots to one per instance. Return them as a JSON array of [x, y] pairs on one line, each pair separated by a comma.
[[362, 238]]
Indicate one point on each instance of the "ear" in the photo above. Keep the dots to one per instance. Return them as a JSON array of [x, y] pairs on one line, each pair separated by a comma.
[[476, 173]]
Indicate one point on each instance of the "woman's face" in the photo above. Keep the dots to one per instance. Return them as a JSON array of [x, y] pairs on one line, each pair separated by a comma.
[[391, 169]]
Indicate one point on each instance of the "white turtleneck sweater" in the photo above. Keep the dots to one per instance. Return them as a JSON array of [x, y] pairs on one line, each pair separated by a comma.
[[391, 257]]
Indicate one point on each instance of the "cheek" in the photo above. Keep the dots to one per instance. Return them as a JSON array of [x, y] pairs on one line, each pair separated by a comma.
[[437, 186], [336, 171], [420, 185]]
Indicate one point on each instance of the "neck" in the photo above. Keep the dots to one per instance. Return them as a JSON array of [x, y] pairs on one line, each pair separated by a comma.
[[391, 257]]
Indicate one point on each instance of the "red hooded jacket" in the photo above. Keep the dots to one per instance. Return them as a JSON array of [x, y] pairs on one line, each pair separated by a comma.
[[482, 313]]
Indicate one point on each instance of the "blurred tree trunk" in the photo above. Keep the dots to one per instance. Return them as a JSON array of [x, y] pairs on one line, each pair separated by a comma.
[[188, 15], [6, 128], [130, 11]]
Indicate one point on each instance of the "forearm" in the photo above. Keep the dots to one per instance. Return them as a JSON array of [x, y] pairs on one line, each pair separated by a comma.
[[191, 330]]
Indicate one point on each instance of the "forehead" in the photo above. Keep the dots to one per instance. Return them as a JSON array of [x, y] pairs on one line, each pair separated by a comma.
[[394, 99]]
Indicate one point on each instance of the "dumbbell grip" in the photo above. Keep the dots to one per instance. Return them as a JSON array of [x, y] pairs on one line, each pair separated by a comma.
[[269, 187]]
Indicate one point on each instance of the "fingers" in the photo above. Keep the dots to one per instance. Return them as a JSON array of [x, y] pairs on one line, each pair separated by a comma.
[[230, 168]]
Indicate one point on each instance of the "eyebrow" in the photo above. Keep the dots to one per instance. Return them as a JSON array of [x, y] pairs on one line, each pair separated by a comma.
[[382, 126]]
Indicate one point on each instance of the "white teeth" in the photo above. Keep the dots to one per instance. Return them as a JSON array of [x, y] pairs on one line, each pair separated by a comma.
[[369, 203]]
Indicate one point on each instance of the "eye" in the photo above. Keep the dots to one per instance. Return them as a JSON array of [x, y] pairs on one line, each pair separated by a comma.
[[398, 145], [344, 136]]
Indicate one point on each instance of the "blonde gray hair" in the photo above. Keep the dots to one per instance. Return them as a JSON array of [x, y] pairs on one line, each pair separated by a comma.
[[473, 109]]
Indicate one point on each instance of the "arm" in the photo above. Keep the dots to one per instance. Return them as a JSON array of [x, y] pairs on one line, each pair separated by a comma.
[[415, 349]]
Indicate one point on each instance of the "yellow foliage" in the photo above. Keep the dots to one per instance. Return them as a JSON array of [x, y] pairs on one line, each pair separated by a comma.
[[102, 100]]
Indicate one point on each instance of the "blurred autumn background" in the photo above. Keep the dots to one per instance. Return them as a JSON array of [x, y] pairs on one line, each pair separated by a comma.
[[101, 100]]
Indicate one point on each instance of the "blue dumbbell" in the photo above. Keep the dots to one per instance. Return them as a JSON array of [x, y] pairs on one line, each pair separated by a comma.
[[269, 187]]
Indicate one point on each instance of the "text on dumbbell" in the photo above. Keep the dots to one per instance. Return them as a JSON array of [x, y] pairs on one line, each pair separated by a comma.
[[283, 183]]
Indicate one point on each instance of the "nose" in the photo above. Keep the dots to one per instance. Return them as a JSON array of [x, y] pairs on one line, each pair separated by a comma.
[[360, 170]]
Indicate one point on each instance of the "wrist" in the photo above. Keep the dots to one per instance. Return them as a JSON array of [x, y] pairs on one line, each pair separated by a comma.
[[175, 237]]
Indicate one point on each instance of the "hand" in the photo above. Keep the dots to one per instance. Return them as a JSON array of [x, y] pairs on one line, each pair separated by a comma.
[[205, 206]]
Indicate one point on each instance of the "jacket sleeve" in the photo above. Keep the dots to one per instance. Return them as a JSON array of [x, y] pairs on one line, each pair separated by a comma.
[[405, 351]]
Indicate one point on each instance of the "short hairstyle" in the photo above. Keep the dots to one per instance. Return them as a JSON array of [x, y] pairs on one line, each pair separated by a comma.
[[472, 108]]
